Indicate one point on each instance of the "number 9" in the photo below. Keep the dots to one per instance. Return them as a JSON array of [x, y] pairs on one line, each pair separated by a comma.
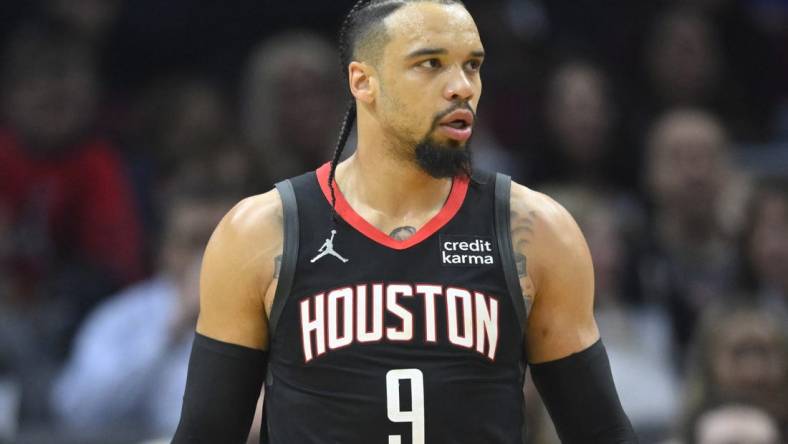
[[416, 415]]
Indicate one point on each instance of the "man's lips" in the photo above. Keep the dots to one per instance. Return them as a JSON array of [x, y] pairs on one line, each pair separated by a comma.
[[457, 125], [460, 116]]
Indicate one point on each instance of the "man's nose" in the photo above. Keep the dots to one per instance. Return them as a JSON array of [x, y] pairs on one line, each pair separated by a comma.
[[459, 87]]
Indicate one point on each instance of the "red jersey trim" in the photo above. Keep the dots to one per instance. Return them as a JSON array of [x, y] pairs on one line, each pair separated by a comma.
[[459, 188]]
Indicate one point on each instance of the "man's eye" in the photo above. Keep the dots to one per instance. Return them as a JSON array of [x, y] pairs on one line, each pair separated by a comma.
[[430, 64], [473, 65]]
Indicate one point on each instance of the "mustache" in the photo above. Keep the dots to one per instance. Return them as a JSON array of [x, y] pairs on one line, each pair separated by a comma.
[[455, 107]]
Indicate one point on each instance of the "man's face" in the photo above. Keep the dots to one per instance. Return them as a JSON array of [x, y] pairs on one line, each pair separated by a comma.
[[303, 102], [748, 359], [579, 113], [689, 167], [51, 96], [429, 77], [684, 59]]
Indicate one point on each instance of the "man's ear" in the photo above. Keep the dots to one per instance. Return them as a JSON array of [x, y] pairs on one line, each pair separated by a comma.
[[363, 82]]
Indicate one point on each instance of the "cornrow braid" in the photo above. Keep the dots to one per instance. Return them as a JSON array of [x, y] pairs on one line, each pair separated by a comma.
[[362, 16], [344, 133], [345, 54]]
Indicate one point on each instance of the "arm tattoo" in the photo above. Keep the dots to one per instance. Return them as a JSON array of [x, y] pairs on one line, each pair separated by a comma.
[[402, 233], [519, 260], [526, 287], [278, 259], [522, 229], [522, 226], [528, 296], [277, 266]]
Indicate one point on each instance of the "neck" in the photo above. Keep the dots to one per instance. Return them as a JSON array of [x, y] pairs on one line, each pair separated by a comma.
[[380, 178], [395, 188]]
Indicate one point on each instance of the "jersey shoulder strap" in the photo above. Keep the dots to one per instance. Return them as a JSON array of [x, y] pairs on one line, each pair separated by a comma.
[[503, 186], [287, 268]]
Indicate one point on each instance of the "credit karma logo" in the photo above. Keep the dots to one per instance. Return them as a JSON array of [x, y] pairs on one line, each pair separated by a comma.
[[467, 251]]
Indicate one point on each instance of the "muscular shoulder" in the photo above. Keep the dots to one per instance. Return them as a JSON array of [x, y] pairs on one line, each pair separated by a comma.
[[544, 228], [238, 268], [256, 218], [544, 208]]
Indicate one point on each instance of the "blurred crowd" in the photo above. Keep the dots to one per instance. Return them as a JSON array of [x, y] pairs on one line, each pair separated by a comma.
[[127, 129]]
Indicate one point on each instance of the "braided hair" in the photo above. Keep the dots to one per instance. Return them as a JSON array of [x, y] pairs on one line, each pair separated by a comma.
[[363, 18]]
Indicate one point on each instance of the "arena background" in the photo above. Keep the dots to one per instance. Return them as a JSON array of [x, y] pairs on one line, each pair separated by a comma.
[[129, 127]]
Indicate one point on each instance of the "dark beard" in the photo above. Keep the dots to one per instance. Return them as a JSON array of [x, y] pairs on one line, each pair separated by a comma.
[[443, 160]]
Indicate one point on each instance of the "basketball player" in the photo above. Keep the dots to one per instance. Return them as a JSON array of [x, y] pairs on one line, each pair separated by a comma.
[[395, 297]]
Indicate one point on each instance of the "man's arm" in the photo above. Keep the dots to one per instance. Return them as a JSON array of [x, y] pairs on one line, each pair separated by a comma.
[[556, 276], [228, 361], [238, 272], [568, 361]]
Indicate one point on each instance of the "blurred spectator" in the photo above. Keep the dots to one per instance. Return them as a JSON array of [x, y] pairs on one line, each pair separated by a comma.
[[686, 66], [55, 167], [684, 59], [91, 18], [609, 31], [637, 337], [740, 352], [766, 247], [697, 206], [733, 423], [580, 121], [180, 130], [291, 105], [515, 31], [180, 117], [71, 228], [127, 373], [750, 45]]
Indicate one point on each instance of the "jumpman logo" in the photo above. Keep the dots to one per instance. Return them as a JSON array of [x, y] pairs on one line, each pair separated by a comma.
[[328, 248]]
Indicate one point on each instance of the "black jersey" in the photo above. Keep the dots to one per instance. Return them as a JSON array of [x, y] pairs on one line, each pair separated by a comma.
[[395, 342]]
